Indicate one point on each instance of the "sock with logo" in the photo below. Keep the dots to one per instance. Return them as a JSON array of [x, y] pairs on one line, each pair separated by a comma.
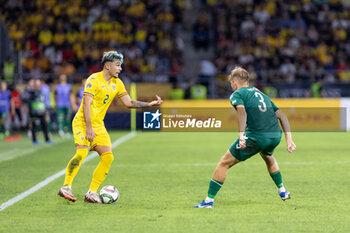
[[277, 178], [73, 166], [101, 171]]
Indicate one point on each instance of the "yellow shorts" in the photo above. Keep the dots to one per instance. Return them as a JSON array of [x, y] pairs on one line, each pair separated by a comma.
[[102, 137]]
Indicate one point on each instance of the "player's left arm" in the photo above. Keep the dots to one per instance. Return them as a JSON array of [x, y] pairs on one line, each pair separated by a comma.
[[242, 123], [129, 103], [73, 101], [286, 129]]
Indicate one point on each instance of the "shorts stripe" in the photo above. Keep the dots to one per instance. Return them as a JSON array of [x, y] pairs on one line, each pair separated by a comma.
[[93, 147]]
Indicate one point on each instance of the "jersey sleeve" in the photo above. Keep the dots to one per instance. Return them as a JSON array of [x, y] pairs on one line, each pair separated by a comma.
[[121, 89], [236, 99], [274, 107], [90, 87]]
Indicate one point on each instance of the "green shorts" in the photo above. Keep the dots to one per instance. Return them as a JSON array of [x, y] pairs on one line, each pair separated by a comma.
[[64, 112], [4, 115], [254, 145]]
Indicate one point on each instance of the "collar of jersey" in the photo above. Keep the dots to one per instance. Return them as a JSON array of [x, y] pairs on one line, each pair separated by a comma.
[[103, 80]]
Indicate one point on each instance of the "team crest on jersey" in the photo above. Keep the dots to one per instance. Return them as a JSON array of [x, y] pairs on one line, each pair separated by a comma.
[[82, 138], [114, 87], [89, 85]]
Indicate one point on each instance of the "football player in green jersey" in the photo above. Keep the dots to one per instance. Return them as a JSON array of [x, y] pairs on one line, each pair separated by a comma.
[[259, 132]]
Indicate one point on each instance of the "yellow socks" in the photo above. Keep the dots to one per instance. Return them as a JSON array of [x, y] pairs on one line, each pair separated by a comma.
[[73, 166], [101, 171]]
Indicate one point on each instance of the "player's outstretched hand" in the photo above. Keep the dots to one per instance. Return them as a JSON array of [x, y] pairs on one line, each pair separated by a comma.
[[90, 134], [159, 101], [291, 146]]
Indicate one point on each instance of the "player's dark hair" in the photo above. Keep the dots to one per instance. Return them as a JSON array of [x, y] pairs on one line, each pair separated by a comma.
[[240, 74], [111, 56]]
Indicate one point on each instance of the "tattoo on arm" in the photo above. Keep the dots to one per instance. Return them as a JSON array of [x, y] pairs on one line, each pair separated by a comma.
[[139, 104]]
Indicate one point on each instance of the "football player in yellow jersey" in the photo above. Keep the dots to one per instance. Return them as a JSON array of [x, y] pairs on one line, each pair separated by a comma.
[[88, 127]]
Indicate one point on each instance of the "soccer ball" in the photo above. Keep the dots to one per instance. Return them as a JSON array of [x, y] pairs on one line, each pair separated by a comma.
[[109, 194]]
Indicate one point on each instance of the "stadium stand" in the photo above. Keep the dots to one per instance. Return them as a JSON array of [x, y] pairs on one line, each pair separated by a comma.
[[295, 48], [68, 37], [283, 41]]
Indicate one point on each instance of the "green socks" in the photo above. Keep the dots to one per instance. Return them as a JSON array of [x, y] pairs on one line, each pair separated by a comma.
[[214, 187], [2, 128], [277, 178]]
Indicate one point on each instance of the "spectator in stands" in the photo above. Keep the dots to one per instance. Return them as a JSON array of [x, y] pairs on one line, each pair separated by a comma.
[[283, 41], [207, 70], [288, 70], [201, 32], [50, 33]]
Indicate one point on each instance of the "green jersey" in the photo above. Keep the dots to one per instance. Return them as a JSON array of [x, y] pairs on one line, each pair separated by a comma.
[[261, 112]]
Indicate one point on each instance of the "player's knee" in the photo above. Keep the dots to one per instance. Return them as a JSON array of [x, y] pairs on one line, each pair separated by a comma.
[[269, 159], [107, 157], [227, 160], [227, 163]]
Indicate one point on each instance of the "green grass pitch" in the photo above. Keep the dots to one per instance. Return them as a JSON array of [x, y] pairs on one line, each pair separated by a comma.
[[160, 176]]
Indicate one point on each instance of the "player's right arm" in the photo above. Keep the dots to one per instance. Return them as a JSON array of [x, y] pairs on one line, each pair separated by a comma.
[[129, 103], [237, 102], [73, 101], [90, 133], [286, 129], [242, 123]]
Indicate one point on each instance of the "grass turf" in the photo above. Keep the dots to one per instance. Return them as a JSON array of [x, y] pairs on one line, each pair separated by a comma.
[[160, 176]]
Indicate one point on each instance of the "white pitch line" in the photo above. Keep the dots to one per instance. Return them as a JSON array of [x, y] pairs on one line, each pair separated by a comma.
[[296, 163], [16, 153], [48, 180]]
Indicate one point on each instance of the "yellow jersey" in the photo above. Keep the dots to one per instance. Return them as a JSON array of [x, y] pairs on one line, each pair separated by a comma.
[[103, 94]]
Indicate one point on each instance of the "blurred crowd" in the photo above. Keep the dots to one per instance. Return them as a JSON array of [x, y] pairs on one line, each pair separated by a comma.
[[39, 106], [276, 41], [280, 41], [68, 37]]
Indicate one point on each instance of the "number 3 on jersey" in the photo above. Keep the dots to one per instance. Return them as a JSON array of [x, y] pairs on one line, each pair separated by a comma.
[[107, 97], [263, 107]]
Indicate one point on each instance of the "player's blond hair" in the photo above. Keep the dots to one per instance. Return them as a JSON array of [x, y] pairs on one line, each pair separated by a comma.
[[240, 74]]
